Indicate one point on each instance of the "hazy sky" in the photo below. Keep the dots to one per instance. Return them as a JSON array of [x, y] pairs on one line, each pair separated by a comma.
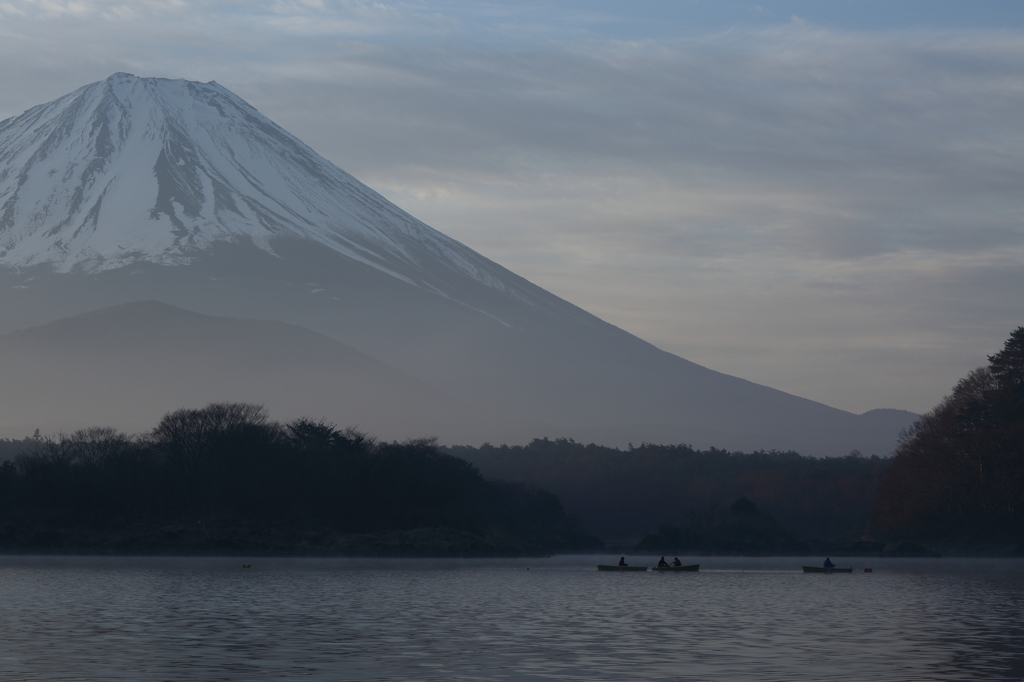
[[824, 197]]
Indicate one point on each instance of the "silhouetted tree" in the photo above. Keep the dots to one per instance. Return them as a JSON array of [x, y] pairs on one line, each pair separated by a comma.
[[204, 446], [958, 473], [226, 476]]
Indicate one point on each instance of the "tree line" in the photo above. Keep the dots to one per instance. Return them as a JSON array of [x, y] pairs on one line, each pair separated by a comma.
[[228, 474], [622, 495], [957, 476]]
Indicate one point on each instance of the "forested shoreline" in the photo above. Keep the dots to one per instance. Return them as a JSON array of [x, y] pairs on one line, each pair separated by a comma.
[[226, 478], [626, 493], [957, 477]]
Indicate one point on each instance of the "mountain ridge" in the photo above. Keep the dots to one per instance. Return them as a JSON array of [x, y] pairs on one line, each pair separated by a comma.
[[105, 357]]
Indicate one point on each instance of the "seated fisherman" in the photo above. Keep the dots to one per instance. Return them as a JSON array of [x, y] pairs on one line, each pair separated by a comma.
[[662, 563], [622, 561], [677, 562], [828, 563]]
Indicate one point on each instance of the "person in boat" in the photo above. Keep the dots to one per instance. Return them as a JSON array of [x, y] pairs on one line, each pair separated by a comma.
[[622, 561], [828, 563], [662, 563], [677, 562]]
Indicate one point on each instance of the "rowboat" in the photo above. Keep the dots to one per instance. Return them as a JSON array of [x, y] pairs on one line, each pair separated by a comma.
[[601, 567], [676, 569], [820, 569]]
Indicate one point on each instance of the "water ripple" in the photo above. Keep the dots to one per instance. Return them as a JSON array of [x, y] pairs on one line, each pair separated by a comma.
[[209, 619]]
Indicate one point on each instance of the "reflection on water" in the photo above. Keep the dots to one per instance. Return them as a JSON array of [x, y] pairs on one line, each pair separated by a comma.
[[738, 619]]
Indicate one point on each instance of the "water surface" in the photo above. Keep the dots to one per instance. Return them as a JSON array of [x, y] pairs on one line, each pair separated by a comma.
[[76, 618]]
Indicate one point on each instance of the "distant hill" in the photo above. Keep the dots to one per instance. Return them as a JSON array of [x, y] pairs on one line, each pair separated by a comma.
[[129, 364]]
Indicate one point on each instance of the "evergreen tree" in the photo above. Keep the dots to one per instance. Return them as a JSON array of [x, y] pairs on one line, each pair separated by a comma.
[[958, 475]]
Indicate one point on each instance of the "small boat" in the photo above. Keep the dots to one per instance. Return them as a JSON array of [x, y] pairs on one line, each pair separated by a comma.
[[676, 569], [602, 567], [821, 569]]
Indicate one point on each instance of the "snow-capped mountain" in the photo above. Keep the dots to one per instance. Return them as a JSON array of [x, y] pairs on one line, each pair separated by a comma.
[[157, 170], [136, 189]]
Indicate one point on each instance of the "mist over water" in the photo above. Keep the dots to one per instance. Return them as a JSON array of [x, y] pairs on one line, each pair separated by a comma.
[[349, 619]]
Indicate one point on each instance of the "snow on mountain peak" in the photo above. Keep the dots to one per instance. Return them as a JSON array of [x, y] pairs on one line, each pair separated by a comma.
[[151, 169]]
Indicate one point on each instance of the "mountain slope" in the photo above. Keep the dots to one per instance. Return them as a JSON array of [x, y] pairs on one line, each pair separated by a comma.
[[180, 192], [129, 364]]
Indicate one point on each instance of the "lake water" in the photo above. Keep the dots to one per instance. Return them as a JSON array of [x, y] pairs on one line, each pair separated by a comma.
[[344, 619]]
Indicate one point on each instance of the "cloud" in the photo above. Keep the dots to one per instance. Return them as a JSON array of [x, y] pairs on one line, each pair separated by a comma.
[[831, 213]]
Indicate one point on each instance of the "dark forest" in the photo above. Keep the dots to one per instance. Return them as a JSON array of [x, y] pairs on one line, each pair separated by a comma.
[[226, 478], [622, 495], [957, 478]]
